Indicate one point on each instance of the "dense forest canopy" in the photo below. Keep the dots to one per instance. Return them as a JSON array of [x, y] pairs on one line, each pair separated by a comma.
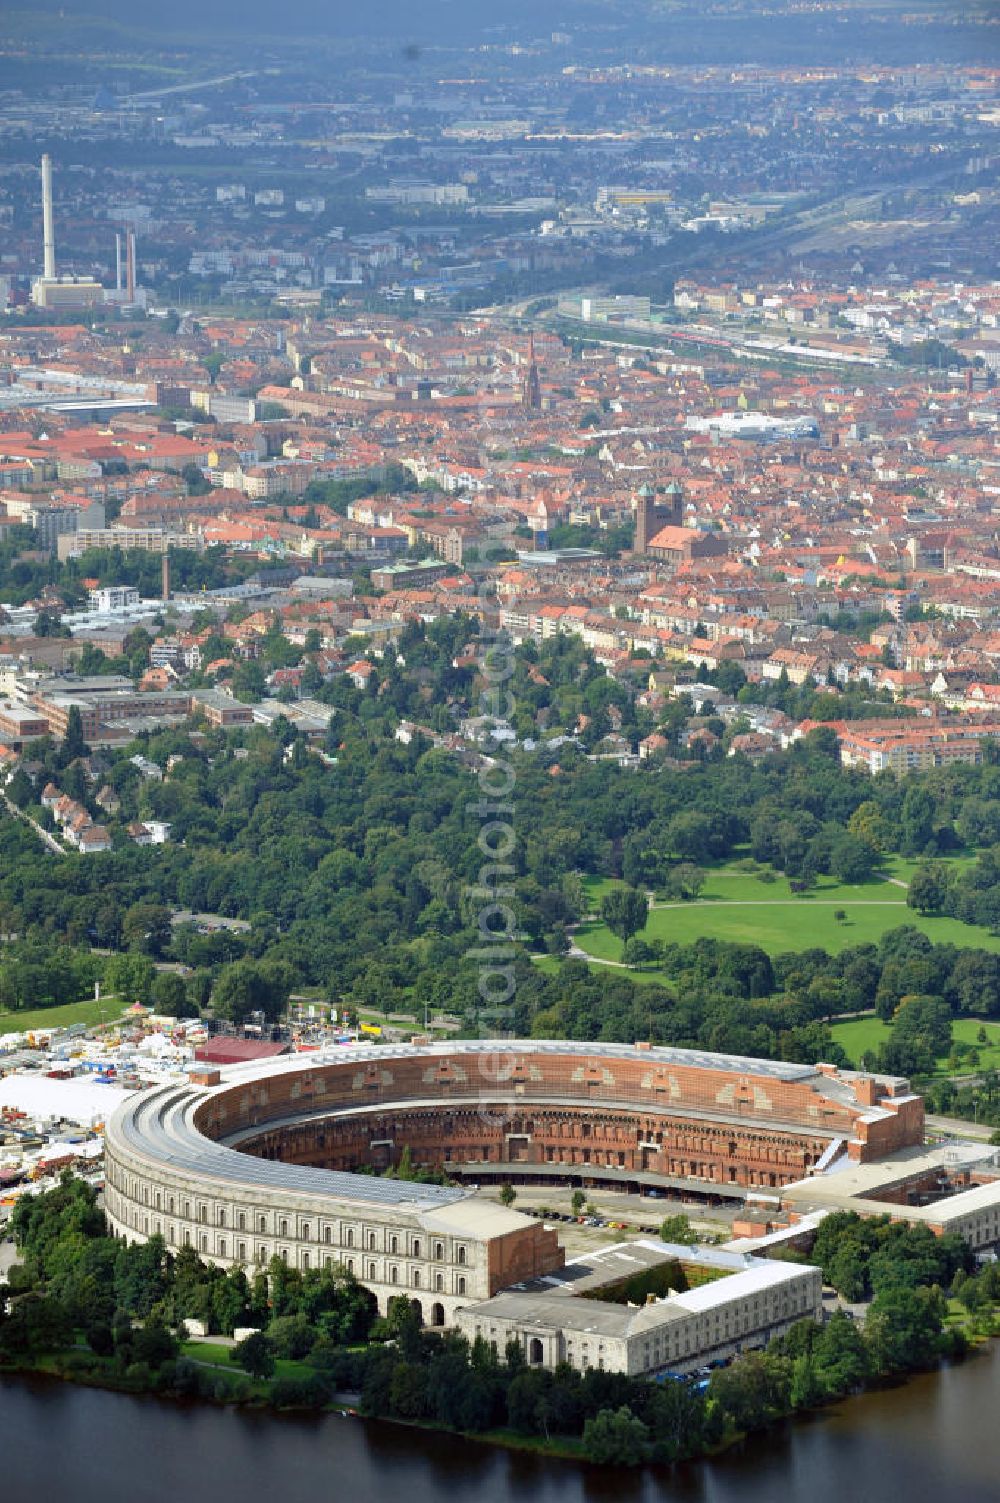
[[353, 867]]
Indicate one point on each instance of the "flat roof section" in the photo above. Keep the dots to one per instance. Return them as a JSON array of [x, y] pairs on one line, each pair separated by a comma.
[[699, 1059], [554, 1302], [158, 1126], [859, 1187]]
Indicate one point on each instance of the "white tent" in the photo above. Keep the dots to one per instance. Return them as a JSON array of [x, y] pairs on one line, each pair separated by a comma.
[[81, 1099]]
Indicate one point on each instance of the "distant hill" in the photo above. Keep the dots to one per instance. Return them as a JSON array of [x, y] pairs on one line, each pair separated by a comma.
[[680, 31]]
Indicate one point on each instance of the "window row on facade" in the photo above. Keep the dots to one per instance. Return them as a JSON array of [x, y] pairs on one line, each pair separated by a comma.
[[139, 1201], [241, 1250], [341, 1234]]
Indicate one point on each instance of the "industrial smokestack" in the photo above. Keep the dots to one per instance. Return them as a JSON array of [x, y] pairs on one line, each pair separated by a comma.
[[118, 261], [47, 230], [130, 267]]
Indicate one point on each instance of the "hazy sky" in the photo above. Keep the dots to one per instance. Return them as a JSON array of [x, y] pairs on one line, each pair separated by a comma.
[[405, 17]]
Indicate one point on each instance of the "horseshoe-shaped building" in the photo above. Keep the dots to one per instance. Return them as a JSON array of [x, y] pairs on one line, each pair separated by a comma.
[[264, 1162]]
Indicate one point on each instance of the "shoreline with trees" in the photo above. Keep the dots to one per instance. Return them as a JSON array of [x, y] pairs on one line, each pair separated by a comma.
[[87, 1308]]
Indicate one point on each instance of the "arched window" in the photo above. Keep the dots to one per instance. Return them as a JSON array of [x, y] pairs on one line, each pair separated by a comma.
[[262, 1223], [393, 1274], [222, 1248], [283, 1228], [439, 1250], [241, 1221], [305, 1230], [349, 1239], [437, 1315], [204, 1243], [416, 1248], [350, 1265], [371, 1241], [394, 1244], [284, 1255], [461, 1254], [461, 1286], [328, 1235], [416, 1278], [535, 1352], [305, 1260], [371, 1270], [222, 1215], [439, 1281]]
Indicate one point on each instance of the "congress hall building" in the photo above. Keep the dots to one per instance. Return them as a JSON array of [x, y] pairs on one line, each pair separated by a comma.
[[263, 1162]]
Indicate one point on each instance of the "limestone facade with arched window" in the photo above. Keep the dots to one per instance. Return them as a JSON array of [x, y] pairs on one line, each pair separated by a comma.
[[444, 1250]]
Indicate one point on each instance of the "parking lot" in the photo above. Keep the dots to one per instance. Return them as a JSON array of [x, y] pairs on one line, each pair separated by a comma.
[[622, 1217]]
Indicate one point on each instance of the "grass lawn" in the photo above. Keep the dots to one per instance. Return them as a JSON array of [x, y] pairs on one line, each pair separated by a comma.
[[903, 867], [807, 923], [551, 965], [739, 907], [596, 887], [964, 1031], [222, 1356], [88, 1013], [859, 1034]]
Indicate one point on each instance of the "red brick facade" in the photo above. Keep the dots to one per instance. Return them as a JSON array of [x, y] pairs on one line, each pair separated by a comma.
[[642, 1112]]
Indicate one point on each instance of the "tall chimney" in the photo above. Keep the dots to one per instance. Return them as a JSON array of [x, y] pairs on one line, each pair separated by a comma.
[[130, 266], [49, 238], [165, 587], [118, 260]]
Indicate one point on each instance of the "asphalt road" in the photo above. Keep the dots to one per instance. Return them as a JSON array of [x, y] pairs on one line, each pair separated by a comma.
[[955, 1127]]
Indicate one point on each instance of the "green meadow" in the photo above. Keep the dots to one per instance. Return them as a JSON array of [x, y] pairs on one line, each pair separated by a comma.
[[857, 1035], [747, 908], [108, 1010]]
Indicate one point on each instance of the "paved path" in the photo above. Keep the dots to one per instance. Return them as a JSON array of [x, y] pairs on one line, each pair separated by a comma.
[[803, 902], [575, 953], [8, 1257]]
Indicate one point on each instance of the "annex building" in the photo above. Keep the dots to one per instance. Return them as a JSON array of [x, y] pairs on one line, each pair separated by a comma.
[[647, 1307]]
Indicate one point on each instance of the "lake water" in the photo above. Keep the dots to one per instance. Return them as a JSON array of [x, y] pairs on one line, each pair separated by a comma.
[[933, 1440]]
